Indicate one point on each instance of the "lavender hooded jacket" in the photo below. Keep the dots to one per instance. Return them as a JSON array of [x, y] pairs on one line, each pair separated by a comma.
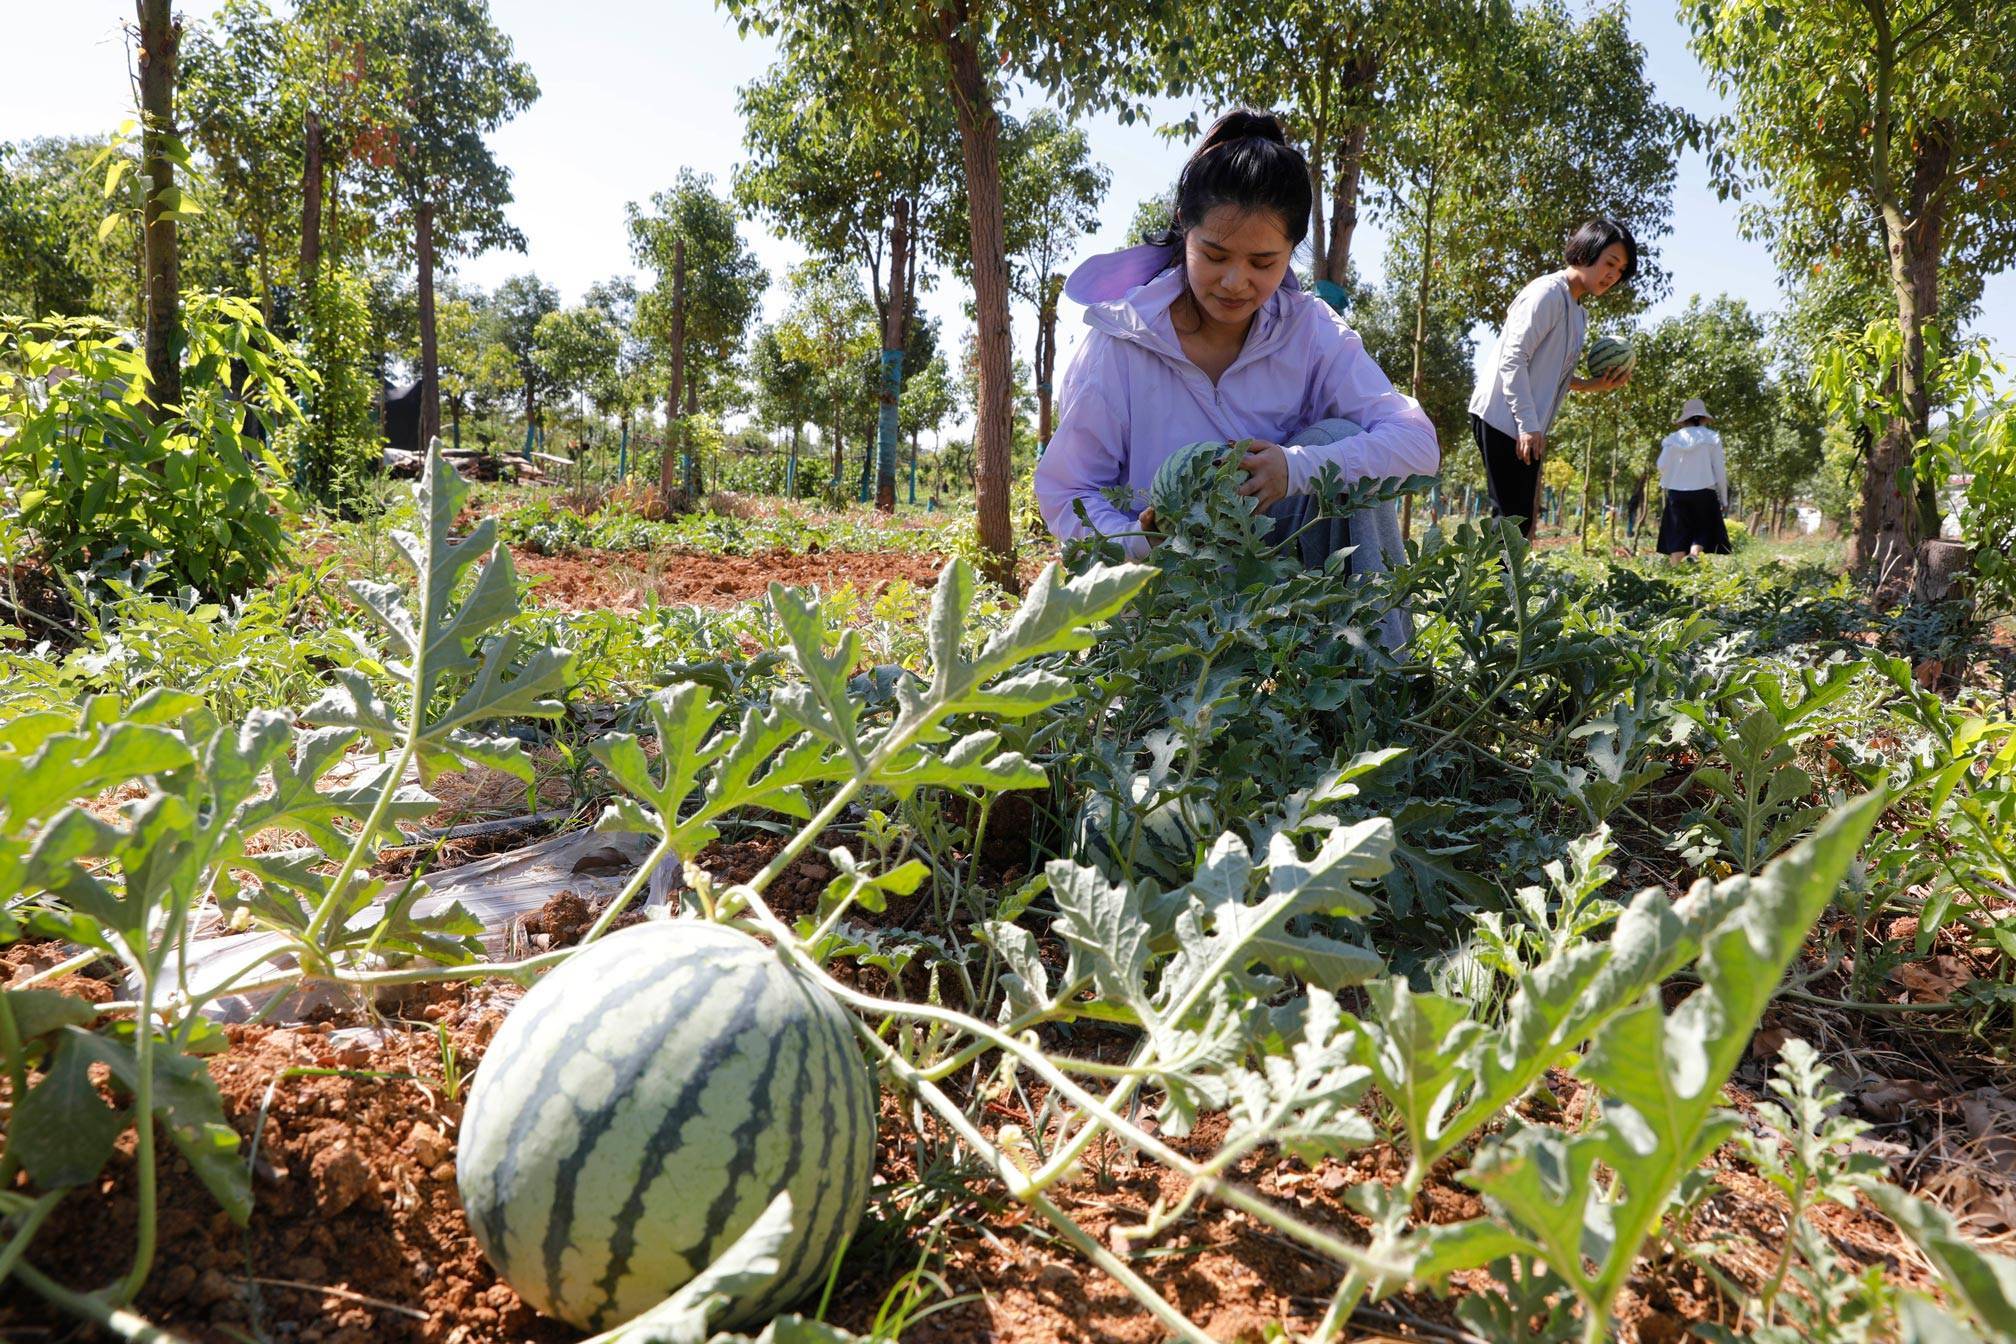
[[1132, 398]]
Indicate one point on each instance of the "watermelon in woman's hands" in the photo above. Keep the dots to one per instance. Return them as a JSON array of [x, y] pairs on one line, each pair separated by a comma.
[[1608, 354]]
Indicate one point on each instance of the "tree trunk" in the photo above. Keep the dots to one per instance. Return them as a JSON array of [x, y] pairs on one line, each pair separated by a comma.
[[693, 477], [1046, 358], [980, 151], [1344, 204], [1319, 254], [160, 38], [668, 459], [263, 255], [430, 356], [839, 462], [791, 465], [1892, 521], [311, 208], [887, 430]]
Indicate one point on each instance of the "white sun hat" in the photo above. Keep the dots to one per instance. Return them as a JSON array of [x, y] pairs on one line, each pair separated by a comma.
[[1695, 406]]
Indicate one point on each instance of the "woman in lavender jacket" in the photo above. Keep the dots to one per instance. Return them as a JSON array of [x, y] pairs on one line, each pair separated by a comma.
[[1204, 335]]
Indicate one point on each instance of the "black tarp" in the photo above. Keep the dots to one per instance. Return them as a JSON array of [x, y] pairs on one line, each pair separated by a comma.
[[401, 415]]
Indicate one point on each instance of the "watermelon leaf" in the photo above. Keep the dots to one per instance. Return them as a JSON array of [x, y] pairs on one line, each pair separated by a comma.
[[741, 1272], [446, 641], [1661, 1075]]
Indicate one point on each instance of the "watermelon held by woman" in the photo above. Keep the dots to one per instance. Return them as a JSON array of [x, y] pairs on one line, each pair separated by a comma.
[[1187, 473], [644, 1103], [1607, 354]]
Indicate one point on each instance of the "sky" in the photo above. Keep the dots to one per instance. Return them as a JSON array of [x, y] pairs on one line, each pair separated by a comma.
[[632, 90]]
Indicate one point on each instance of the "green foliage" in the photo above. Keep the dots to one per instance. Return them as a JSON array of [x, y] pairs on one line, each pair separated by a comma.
[[43, 232], [265, 649], [459, 80], [1515, 188], [828, 173], [196, 500], [514, 313], [577, 349], [335, 446], [1833, 109], [1761, 796], [724, 281], [1660, 1075], [551, 529]]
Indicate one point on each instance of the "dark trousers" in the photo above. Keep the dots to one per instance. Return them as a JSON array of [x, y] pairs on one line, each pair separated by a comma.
[[1515, 485]]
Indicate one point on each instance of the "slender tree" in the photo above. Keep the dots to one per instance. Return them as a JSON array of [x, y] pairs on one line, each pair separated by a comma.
[[1051, 192], [851, 188], [460, 82], [246, 113], [717, 291], [160, 38], [785, 386], [515, 311], [1880, 125], [831, 327]]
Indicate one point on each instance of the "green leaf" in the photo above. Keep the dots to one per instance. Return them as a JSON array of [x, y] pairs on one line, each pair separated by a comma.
[[62, 1130], [740, 1272], [1306, 1101], [1984, 1284], [191, 1111], [37, 1012], [1661, 1074]]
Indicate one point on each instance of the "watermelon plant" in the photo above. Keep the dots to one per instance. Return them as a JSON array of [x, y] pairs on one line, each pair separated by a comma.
[[129, 887]]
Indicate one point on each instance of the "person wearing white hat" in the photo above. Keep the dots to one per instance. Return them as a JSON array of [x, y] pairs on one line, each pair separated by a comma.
[[1696, 479]]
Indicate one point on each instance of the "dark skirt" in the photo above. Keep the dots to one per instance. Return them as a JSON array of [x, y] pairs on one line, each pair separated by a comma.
[[1692, 518]]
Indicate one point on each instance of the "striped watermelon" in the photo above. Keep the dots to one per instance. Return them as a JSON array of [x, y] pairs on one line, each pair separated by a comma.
[[1607, 353], [1137, 842], [644, 1103], [1184, 475]]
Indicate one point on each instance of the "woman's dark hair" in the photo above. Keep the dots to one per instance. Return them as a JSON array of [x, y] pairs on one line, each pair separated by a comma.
[[1590, 241], [1244, 160]]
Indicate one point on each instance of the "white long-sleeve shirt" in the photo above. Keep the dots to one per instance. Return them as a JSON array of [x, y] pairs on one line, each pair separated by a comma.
[[1526, 378], [1690, 458]]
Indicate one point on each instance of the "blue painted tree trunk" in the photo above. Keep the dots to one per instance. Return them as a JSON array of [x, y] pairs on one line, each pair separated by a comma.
[[886, 428]]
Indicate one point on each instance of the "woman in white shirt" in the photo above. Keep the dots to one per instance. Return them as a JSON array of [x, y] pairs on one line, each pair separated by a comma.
[[1696, 479]]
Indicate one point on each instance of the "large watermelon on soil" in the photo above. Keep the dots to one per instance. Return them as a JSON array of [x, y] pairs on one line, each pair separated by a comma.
[[644, 1103]]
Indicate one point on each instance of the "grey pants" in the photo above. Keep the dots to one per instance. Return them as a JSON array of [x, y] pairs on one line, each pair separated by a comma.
[[1374, 533]]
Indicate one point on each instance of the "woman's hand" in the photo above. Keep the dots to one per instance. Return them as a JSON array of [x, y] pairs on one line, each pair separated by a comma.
[[1532, 447], [1148, 528], [1266, 468], [1609, 382]]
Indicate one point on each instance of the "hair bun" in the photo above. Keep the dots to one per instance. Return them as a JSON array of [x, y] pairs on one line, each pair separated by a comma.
[[1243, 124]]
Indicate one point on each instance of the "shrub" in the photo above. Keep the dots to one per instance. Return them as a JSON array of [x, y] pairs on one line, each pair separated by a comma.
[[336, 446], [102, 488]]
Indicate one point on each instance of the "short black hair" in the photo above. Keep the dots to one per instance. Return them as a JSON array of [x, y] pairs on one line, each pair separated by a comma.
[[1594, 238], [1244, 160]]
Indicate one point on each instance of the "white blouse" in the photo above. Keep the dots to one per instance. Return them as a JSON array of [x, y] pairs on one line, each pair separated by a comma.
[[1690, 458]]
